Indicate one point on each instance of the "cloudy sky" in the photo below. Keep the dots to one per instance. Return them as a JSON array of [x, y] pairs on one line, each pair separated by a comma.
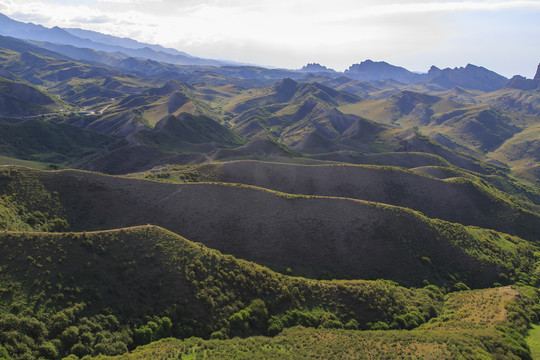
[[502, 35]]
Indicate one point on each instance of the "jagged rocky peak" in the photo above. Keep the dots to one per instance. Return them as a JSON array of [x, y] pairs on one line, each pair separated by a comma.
[[368, 65], [521, 83], [433, 72], [537, 76], [316, 67]]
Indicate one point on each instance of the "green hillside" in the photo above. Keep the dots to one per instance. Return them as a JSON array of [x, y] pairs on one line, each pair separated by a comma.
[[496, 332], [360, 239], [467, 199], [18, 99], [479, 127], [254, 213], [37, 140], [145, 109], [177, 133], [103, 292]]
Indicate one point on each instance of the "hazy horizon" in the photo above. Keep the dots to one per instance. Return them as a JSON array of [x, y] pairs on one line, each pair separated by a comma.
[[501, 35]]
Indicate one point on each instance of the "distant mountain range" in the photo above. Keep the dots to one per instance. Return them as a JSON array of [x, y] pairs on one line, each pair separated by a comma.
[[315, 68], [129, 54], [163, 111], [120, 47]]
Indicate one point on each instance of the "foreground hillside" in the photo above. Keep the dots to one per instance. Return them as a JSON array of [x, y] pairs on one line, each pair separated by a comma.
[[312, 235], [467, 199], [106, 292], [492, 333]]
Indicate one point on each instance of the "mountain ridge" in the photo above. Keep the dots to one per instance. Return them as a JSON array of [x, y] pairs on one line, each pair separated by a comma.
[[31, 31]]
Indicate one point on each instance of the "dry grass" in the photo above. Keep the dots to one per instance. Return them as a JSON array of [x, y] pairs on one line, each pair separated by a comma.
[[482, 307]]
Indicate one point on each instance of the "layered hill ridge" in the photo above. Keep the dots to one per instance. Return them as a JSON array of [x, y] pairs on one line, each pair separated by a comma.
[[155, 258], [18, 99], [87, 39], [184, 140], [144, 110], [465, 201], [188, 132], [360, 239], [290, 91], [300, 115], [91, 293], [478, 127]]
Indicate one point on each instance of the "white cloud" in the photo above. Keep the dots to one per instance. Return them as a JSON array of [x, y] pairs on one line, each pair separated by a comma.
[[129, 1], [291, 32]]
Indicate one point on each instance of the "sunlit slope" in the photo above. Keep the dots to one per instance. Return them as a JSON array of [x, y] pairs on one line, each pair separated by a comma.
[[496, 331], [147, 270]]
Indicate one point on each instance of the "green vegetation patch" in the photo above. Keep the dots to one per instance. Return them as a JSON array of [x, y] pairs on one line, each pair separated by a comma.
[[156, 284], [176, 133], [45, 142], [459, 333], [533, 341], [26, 205]]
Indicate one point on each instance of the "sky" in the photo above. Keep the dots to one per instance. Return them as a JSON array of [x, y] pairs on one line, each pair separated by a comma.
[[501, 35]]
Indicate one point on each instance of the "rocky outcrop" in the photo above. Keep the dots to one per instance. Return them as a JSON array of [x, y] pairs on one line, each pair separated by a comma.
[[469, 77], [379, 70]]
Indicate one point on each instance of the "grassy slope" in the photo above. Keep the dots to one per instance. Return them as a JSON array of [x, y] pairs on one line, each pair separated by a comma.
[[61, 290], [316, 236], [490, 333], [522, 149], [469, 202], [178, 133], [533, 340], [507, 135], [518, 192], [21, 99], [59, 143], [302, 343], [147, 270], [6, 160], [527, 102], [411, 140], [149, 107]]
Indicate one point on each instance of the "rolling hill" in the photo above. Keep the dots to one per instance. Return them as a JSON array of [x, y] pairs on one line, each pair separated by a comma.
[[490, 334], [467, 200], [19, 99], [189, 133], [48, 142], [359, 238], [88, 293]]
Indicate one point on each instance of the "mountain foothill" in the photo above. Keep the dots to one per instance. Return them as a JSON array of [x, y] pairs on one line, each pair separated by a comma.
[[155, 205]]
